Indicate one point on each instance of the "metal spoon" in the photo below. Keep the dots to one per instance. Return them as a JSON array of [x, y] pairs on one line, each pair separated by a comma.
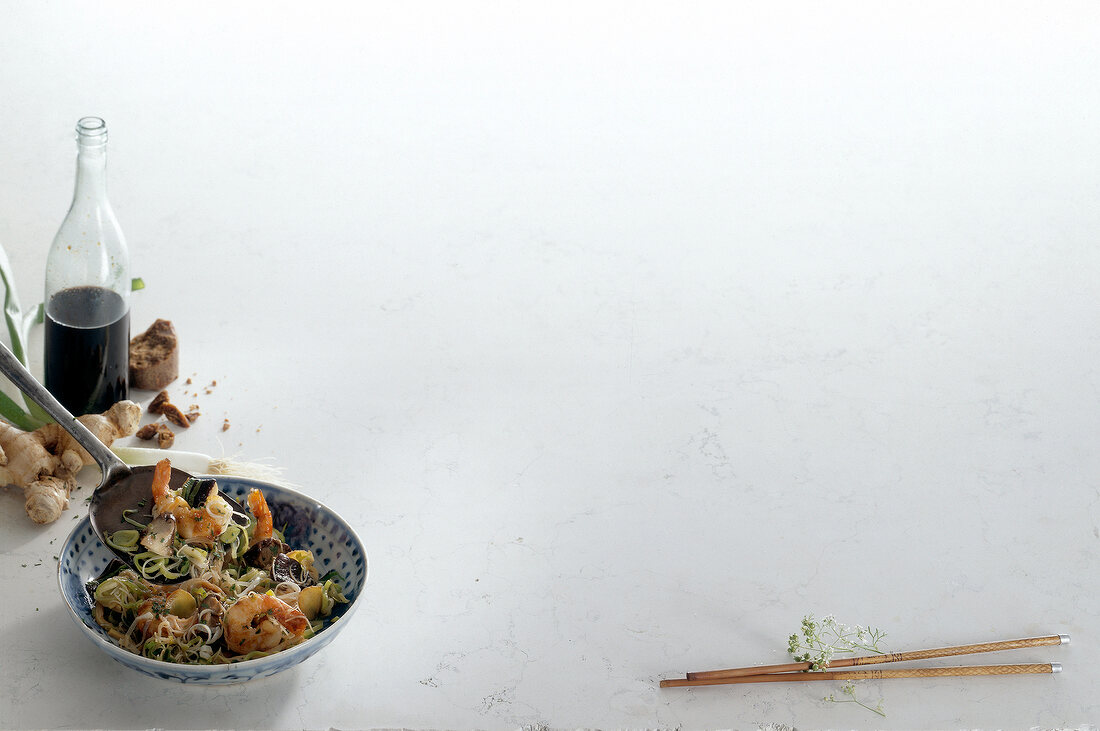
[[121, 487]]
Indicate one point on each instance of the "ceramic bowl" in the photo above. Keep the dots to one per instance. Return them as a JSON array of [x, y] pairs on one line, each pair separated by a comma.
[[309, 524]]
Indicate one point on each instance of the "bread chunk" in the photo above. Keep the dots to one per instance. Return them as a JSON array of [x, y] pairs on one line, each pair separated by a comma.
[[154, 357]]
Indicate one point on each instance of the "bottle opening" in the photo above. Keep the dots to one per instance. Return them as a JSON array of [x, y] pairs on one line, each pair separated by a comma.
[[92, 128]]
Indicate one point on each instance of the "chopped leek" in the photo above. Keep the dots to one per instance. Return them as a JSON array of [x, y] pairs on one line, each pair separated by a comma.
[[124, 540]]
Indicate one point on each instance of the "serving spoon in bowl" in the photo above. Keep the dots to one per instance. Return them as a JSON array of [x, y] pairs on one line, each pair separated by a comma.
[[123, 490]]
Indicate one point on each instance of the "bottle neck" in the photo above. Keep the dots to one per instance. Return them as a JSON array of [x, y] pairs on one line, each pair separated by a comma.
[[91, 172]]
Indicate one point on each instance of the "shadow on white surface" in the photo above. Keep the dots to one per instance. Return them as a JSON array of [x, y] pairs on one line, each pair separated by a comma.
[[105, 694]]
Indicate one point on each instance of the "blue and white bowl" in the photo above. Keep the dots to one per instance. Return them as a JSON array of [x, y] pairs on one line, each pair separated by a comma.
[[310, 525]]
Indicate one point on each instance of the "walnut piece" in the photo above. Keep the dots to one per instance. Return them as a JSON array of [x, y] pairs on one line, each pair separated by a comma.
[[161, 405], [165, 436], [156, 406], [146, 432]]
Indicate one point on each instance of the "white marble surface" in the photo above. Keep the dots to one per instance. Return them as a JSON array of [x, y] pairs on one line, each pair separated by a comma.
[[625, 334]]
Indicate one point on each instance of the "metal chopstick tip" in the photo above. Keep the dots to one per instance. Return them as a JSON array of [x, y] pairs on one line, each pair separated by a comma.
[[1056, 667], [1064, 639]]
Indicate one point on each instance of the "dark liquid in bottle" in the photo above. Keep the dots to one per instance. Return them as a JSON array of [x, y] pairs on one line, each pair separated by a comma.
[[87, 358]]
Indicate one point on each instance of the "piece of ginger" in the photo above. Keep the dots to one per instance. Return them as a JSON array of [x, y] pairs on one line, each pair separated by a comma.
[[44, 462]]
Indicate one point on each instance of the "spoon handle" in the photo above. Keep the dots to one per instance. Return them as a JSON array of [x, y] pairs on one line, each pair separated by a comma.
[[111, 465]]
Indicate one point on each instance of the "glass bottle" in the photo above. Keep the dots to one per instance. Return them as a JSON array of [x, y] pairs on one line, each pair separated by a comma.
[[87, 335]]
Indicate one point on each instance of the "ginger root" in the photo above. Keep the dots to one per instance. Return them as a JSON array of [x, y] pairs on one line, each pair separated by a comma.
[[44, 462]]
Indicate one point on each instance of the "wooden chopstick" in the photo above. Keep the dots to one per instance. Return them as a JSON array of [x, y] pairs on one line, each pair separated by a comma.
[[847, 662], [961, 670]]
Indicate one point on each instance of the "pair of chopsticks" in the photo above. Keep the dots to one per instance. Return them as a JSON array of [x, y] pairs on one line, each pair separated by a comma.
[[796, 671]]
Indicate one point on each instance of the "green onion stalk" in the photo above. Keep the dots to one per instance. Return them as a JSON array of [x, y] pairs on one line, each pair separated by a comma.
[[200, 464]]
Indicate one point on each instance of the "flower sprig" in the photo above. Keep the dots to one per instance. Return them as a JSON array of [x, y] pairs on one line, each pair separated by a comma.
[[849, 689], [819, 640]]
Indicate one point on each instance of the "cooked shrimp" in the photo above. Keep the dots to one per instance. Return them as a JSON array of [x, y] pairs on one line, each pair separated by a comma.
[[149, 614], [261, 622], [156, 615], [258, 505], [204, 523]]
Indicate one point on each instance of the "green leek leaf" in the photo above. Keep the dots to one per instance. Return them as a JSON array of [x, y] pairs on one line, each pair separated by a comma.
[[11, 411]]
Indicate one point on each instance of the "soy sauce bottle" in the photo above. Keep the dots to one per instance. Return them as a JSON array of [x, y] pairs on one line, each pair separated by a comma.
[[87, 337]]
